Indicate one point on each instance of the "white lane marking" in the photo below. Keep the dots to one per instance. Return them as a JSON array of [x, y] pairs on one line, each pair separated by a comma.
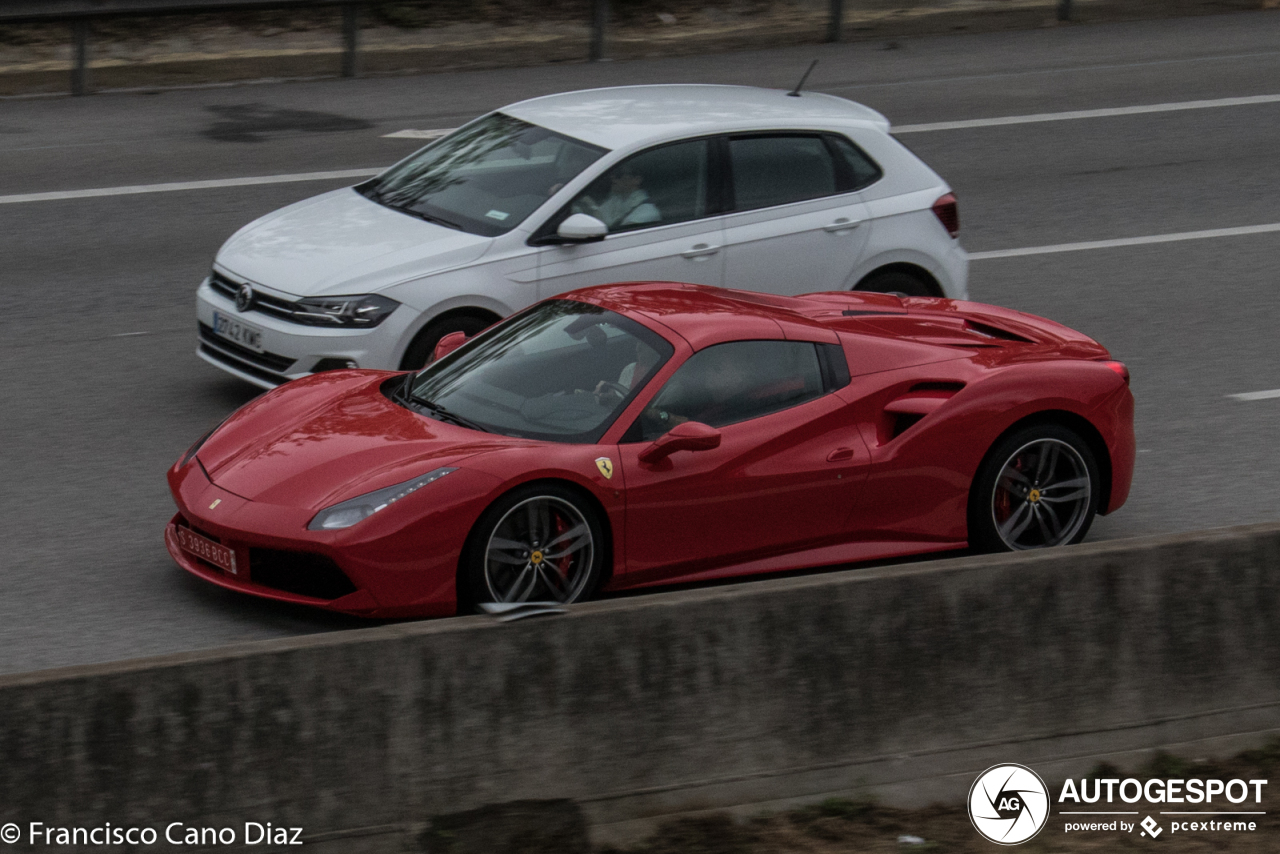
[[129, 334], [1126, 241], [435, 133], [340, 175], [1067, 69], [410, 133], [1072, 115], [997, 121], [1256, 395]]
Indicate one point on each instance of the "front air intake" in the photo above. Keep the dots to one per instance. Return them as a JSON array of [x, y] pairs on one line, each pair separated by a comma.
[[303, 573]]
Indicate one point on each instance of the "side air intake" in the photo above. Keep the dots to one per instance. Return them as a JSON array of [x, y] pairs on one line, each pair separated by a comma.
[[904, 412]]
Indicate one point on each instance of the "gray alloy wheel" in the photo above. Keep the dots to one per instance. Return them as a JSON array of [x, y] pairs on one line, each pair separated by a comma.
[[542, 549], [1043, 495]]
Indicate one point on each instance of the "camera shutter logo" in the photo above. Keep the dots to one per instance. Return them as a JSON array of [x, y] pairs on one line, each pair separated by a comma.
[[1008, 804], [244, 298]]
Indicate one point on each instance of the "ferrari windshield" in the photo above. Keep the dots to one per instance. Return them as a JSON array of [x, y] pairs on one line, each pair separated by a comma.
[[484, 178], [561, 371]]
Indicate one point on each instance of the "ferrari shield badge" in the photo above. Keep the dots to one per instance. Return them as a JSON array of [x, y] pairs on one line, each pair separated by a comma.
[[605, 465]]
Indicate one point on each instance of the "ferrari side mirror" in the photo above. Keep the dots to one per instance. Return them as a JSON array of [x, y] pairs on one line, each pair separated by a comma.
[[448, 344], [689, 436]]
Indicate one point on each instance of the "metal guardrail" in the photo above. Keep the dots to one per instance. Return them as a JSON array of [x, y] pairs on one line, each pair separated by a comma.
[[79, 14]]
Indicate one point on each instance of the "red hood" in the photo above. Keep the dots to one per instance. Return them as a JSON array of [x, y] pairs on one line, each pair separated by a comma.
[[329, 437]]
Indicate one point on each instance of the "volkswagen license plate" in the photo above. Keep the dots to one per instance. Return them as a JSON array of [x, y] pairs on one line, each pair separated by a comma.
[[237, 331]]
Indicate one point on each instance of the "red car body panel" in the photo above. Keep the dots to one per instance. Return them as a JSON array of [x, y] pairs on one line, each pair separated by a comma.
[[879, 468]]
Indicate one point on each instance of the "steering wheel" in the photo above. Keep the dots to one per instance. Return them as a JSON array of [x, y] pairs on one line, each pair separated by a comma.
[[605, 387]]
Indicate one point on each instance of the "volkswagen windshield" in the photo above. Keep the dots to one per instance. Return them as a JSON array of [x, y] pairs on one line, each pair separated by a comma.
[[484, 178]]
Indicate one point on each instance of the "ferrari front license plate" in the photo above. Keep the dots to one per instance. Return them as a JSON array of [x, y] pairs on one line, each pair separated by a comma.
[[206, 549], [238, 331]]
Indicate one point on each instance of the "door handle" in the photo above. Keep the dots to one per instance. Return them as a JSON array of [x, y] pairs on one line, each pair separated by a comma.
[[700, 250], [842, 224], [840, 455]]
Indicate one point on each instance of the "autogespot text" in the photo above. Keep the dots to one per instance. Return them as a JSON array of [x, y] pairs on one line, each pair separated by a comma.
[[1197, 806]]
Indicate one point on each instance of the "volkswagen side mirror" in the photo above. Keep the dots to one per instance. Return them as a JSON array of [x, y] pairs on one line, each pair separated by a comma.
[[582, 228]]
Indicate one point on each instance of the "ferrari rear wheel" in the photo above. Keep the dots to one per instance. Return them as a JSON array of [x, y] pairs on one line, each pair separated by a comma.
[[1039, 487], [538, 544]]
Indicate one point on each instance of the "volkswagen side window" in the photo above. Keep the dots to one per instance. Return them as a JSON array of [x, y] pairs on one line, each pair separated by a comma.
[[661, 186], [861, 170], [777, 170]]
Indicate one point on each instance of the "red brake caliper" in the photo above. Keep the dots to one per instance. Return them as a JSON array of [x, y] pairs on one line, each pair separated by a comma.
[[564, 564], [1004, 501]]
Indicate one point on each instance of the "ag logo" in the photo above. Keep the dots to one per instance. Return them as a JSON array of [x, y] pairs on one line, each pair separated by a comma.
[[1008, 804], [606, 467]]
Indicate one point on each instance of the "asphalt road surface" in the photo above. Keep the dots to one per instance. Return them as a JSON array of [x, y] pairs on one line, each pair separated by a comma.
[[100, 389]]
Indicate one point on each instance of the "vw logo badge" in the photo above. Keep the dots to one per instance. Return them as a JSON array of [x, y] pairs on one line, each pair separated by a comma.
[[244, 298]]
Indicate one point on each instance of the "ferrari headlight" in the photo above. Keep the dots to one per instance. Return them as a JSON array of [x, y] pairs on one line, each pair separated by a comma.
[[353, 510], [362, 311]]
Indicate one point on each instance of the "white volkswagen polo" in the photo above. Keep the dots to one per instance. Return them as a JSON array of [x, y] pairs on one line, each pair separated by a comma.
[[716, 185]]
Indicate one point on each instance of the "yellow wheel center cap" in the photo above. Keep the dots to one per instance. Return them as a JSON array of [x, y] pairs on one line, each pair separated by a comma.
[[1033, 496], [535, 558]]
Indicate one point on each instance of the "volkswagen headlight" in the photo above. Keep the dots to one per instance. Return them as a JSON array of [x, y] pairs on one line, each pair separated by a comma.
[[353, 510], [363, 311]]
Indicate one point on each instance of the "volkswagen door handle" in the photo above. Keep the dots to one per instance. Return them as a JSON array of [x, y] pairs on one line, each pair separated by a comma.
[[842, 224], [700, 250]]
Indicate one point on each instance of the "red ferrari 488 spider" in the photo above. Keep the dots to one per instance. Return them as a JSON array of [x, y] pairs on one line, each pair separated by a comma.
[[632, 435]]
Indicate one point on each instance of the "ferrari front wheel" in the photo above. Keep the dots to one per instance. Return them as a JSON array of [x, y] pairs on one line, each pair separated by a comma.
[[542, 543], [1038, 487]]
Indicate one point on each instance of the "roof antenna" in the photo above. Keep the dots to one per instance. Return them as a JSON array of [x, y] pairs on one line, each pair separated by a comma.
[[795, 93]]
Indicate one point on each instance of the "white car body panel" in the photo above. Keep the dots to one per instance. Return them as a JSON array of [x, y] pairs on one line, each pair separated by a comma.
[[681, 252], [797, 248], [341, 243], [628, 117]]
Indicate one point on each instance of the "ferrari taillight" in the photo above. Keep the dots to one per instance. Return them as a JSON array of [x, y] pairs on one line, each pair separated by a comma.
[[1119, 368], [947, 210]]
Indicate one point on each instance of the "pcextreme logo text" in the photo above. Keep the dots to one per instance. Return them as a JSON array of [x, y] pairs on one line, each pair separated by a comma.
[[1010, 804]]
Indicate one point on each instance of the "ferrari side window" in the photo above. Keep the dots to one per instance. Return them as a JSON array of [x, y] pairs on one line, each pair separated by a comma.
[[733, 382]]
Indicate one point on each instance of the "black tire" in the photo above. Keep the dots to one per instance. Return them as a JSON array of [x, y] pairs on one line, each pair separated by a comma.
[[419, 351], [897, 282], [1038, 487], [505, 535]]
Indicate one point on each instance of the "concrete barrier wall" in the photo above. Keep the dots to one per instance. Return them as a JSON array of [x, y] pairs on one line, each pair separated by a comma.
[[433, 37], [904, 681]]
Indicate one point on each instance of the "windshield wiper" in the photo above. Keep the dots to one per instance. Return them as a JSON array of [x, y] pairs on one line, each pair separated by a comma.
[[444, 414], [371, 192], [405, 390], [438, 220], [375, 194]]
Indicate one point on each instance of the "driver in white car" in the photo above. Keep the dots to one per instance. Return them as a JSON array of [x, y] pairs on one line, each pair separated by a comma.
[[627, 203]]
